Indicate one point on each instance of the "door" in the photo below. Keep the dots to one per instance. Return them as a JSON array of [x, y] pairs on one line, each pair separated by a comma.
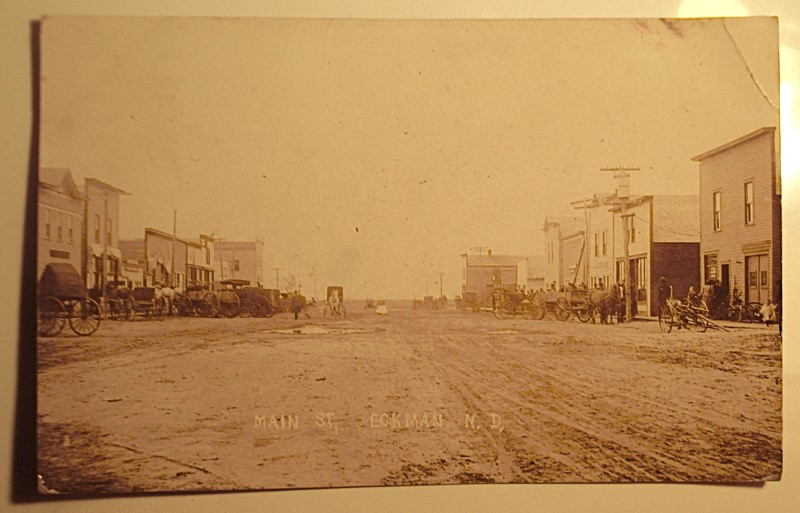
[[725, 283], [757, 277]]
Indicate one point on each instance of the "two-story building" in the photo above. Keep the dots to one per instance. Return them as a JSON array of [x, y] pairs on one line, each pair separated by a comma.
[[241, 260], [740, 215], [564, 245], [102, 232], [663, 240], [161, 259], [60, 207]]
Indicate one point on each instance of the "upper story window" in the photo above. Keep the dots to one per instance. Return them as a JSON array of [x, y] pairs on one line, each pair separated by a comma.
[[717, 211], [633, 228], [47, 223], [605, 242], [60, 227], [109, 231], [749, 206], [97, 228], [596, 244], [70, 230]]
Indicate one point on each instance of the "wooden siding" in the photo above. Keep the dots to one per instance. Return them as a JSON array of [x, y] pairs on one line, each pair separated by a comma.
[[727, 171]]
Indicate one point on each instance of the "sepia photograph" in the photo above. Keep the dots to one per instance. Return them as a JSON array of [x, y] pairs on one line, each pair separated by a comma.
[[279, 253]]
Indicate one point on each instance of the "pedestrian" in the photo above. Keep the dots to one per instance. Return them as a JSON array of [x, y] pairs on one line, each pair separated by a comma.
[[296, 304], [664, 292], [768, 313]]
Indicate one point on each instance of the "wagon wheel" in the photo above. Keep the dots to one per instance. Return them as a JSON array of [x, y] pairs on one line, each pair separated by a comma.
[[248, 308], [51, 317], [585, 313], [262, 307], [499, 310], [665, 319], [210, 305], [184, 305], [231, 307], [84, 317], [160, 307], [561, 309], [526, 309]]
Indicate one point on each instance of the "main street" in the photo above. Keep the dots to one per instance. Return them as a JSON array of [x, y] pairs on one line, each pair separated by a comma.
[[414, 397]]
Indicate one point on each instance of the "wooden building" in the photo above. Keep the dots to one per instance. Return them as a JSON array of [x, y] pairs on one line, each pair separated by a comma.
[[740, 215]]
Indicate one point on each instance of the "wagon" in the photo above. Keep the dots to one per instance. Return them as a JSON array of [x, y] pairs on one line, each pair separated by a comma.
[[148, 303], [62, 299], [679, 314], [507, 303], [551, 301], [118, 299], [334, 303], [239, 298], [198, 299]]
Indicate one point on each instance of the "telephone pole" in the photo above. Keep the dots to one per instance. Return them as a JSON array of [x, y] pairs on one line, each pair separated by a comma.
[[277, 276], [622, 175]]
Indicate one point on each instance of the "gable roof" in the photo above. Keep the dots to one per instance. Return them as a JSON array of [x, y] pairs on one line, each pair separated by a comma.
[[735, 142], [59, 179]]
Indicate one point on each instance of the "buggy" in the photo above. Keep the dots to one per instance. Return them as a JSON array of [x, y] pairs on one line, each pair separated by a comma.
[[117, 302], [509, 302], [62, 298], [334, 303], [149, 304]]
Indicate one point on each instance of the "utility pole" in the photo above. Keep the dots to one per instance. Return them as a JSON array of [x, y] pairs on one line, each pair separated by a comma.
[[277, 276], [441, 293], [584, 204], [172, 283], [622, 175]]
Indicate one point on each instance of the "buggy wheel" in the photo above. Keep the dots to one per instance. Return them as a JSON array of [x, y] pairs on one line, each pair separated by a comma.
[[561, 309], [665, 319], [537, 312], [84, 317], [160, 308], [50, 318]]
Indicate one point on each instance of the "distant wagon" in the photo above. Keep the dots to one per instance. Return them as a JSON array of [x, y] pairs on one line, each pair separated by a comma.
[[62, 299], [198, 299], [239, 298]]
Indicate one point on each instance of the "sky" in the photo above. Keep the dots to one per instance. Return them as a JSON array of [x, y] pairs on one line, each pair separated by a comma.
[[372, 154]]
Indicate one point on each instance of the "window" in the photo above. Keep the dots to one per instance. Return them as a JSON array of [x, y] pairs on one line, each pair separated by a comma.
[[70, 230], [605, 242], [710, 267], [633, 228], [717, 211], [748, 203], [60, 228], [596, 244], [235, 265], [109, 231], [47, 223], [97, 228]]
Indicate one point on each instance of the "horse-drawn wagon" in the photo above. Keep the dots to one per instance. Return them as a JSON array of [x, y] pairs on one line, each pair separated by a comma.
[[583, 303], [198, 299], [239, 298], [149, 303], [506, 303], [62, 299]]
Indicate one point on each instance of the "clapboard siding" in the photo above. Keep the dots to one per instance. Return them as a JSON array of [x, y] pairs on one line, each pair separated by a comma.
[[726, 170]]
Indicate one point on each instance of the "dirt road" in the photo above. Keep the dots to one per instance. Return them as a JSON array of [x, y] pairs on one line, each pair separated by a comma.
[[414, 397]]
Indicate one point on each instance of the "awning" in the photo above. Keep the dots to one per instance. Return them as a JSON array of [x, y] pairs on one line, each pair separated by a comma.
[[97, 250]]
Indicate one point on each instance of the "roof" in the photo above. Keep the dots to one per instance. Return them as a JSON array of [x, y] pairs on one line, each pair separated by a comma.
[[493, 260], [94, 182], [735, 142], [59, 179], [567, 225]]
